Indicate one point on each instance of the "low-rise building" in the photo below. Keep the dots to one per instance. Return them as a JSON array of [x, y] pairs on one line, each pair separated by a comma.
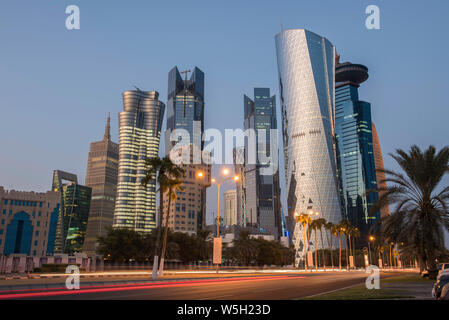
[[28, 222]]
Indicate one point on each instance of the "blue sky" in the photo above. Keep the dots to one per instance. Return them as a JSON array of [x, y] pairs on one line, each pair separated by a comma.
[[57, 86]]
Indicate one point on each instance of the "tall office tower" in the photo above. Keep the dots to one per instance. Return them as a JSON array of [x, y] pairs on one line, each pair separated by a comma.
[[230, 207], [262, 190], [379, 163], [185, 108], [239, 170], [306, 63], [73, 214], [355, 160], [101, 176], [28, 222], [140, 125]]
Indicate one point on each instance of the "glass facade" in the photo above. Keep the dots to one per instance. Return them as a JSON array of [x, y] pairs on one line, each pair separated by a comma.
[[355, 158], [185, 105], [262, 191], [306, 63], [140, 126], [74, 209]]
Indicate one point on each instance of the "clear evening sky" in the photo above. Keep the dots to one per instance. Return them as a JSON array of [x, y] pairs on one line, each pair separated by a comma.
[[57, 86]]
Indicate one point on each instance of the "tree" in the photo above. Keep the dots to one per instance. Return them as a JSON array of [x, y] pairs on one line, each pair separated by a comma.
[[421, 213], [168, 176], [245, 248], [329, 226], [321, 223]]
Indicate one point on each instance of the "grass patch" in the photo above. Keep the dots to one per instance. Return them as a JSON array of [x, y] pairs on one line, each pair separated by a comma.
[[362, 293]]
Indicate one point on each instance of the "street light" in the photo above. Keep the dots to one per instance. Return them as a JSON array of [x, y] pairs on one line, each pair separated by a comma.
[[371, 239], [222, 178]]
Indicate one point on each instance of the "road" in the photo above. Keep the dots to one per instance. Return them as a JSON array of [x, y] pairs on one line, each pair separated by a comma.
[[238, 287]]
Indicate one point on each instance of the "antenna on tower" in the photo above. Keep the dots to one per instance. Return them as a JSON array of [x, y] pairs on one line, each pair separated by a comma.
[[186, 72]]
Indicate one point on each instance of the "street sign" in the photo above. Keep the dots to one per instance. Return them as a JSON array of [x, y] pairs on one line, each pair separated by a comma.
[[366, 261], [217, 251]]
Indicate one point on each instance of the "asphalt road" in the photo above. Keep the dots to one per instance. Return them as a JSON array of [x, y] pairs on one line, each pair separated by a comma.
[[254, 287]]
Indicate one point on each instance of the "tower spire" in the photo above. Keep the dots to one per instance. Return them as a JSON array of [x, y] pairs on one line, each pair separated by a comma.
[[107, 129]]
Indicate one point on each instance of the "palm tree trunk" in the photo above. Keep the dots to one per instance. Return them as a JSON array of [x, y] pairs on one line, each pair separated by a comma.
[[164, 243], [316, 253], [322, 250], [332, 250], [158, 238], [339, 246]]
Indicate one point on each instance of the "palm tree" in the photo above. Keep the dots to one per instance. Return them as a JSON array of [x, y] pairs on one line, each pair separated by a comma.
[[329, 227], [168, 179], [337, 232], [422, 212], [305, 220], [321, 222], [344, 230], [314, 226]]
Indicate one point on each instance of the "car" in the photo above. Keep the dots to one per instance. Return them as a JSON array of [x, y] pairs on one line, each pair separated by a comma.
[[444, 293], [443, 266], [442, 280]]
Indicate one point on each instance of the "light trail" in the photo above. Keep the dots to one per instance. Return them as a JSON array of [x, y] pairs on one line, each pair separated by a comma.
[[127, 287]]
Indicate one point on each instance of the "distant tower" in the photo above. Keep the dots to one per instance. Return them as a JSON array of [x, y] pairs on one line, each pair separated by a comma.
[[140, 125], [101, 176], [379, 163], [355, 159], [73, 214], [230, 207], [185, 107], [263, 207]]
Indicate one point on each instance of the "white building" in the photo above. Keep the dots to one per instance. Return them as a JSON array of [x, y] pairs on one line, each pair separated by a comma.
[[306, 66], [230, 207]]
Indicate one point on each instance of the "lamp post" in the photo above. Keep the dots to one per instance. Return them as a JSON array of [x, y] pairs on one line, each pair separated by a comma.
[[371, 239], [305, 219], [223, 177]]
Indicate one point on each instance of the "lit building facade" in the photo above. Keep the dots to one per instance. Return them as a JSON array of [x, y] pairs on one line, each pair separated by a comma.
[[140, 125], [28, 222], [230, 207], [262, 191], [101, 176], [73, 213], [185, 108], [355, 159], [306, 64], [380, 175]]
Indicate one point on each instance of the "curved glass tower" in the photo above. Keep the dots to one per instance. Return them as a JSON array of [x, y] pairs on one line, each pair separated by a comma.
[[306, 63], [139, 133]]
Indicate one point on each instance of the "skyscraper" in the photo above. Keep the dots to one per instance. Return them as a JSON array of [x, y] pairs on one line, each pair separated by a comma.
[[379, 163], [185, 108], [306, 64], [356, 170], [73, 214], [101, 176], [230, 207], [262, 190], [140, 125]]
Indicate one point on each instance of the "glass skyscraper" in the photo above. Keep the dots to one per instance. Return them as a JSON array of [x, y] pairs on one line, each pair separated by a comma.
[[185, 105], [306, 64], [355, 157], [262, 191], [140, 125], [74, 212]]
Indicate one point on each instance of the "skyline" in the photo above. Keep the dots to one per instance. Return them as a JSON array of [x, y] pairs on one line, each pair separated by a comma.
[[392, 90]]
